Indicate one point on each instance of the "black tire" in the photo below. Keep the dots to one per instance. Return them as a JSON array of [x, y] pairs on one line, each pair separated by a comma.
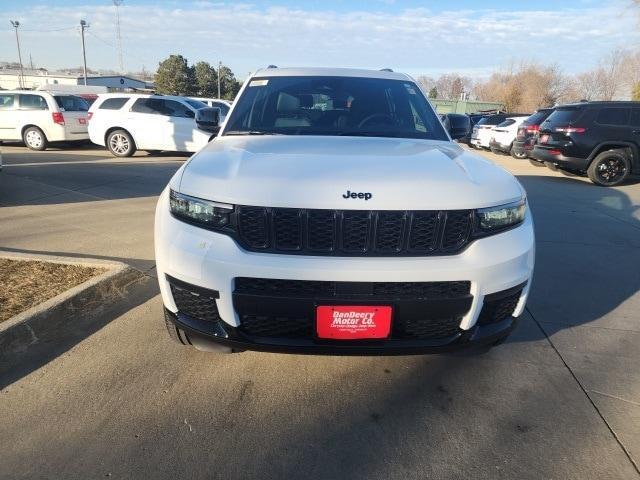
[[518, 156], [609, 168], [175, 333], [536, 163], [120, 143], [495, 151], [35, 139]]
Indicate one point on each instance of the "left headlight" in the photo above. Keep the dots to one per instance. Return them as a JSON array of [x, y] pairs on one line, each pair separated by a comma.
[[493, 219], [204, 213]]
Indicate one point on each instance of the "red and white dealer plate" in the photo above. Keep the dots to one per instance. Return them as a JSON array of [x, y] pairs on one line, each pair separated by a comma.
[[340, 322]]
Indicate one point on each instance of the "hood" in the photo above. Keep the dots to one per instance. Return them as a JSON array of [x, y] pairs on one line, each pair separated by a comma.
[[317, 172]]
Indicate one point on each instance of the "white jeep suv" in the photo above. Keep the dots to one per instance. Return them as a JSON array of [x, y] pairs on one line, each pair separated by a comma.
[[332, 214]]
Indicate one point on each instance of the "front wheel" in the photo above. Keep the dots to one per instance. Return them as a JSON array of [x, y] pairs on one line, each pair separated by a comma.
[[609, 168], [35, 139], [120, 143]]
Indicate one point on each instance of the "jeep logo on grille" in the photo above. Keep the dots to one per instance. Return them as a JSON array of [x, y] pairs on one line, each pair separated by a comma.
[[350, 194]]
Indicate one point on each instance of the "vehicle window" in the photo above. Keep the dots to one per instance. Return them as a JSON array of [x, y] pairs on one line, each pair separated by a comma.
[[613, 116], [537, 117], [197, 104], [492, 120], [113, 103], [33, 102], [177, 109], [635, 117], [159, 106], [507, 122], [335, 106], [565, 115], [224, 108], [7, 102], [71, 103]]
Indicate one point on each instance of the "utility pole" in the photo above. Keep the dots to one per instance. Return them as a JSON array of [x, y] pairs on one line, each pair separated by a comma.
[[31, 62], [219, 68], [117, 4], [84, 25], [15, 25]]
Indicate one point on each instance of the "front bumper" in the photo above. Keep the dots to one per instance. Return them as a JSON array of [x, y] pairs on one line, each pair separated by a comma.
[[214, 261], [233, 338]]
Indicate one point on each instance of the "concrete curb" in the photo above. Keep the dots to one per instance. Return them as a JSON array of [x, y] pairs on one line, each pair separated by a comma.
[[41, 322]]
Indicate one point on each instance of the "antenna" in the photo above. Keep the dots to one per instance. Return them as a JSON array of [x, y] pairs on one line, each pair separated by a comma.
[[117, 4]]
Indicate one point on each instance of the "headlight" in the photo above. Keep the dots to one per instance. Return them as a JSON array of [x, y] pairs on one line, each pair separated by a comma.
[[204, 213], [501, 217]]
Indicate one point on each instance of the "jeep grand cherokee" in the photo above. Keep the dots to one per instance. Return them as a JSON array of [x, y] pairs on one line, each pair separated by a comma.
[[333, 214]]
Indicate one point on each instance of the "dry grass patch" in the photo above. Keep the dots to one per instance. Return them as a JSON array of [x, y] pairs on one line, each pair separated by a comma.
[[27, 283]]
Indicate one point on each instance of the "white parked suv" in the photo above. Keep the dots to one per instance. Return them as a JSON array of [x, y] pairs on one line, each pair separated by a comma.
[[38, 118], [125, 123], [503, 134], [332, 214]]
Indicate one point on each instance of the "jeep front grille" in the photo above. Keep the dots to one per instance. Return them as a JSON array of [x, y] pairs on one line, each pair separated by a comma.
[[353, 232]]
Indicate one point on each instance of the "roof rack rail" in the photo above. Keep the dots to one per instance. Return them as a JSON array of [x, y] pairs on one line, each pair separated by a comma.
[[272, 66], [386, 70]]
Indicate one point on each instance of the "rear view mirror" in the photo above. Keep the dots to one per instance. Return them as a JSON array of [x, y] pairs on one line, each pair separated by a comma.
[[208, 119], [457, 125]]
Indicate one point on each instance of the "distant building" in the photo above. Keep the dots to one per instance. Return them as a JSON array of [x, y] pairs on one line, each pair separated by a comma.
[[34, 79]]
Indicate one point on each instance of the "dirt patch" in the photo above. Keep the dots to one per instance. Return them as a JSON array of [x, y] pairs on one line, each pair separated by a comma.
[[26, 283]]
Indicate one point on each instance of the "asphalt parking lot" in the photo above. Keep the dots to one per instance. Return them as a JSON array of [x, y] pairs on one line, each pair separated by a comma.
[[559, 400]]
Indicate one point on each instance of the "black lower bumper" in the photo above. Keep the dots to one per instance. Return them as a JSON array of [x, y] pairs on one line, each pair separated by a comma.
[[551, 158], [224, 334]]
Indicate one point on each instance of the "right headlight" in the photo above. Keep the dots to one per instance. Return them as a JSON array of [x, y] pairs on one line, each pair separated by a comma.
[[501, 217], [204, 213]]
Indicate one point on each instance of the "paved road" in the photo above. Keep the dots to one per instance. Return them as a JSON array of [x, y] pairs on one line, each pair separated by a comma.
[[114, 398]]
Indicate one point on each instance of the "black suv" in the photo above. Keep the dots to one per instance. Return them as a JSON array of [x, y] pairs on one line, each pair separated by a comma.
[[526, 136], [601, 139]]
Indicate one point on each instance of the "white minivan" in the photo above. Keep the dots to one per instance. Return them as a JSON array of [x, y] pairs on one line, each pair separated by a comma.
[[125, 123], [38, 118]]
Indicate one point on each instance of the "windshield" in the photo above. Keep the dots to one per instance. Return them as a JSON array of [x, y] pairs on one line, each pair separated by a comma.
[[71, 103], [334, 106]]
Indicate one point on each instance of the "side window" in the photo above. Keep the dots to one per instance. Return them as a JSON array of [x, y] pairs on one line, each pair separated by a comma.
[[144, 105], [613, 116], [635, 117], [113, 103], [177, 109], [7, 102], [33, 102]]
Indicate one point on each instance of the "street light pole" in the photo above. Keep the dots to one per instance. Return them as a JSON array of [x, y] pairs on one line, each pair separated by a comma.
[[84, 25], [219, 68], [15, 25]]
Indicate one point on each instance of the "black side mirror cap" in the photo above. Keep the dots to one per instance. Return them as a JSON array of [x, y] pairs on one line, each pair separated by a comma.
[[208, 119]]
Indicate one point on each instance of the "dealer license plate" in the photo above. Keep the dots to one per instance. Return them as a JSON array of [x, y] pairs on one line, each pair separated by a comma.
[[340, 322]]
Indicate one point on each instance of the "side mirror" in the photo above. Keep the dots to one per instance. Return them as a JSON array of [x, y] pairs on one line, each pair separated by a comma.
[[458, 125], [208, 119]]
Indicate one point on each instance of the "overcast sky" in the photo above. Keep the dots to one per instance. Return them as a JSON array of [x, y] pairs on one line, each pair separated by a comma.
[[417, 37]]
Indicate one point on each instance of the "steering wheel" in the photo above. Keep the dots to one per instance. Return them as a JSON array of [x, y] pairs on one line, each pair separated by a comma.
[[368, 118]]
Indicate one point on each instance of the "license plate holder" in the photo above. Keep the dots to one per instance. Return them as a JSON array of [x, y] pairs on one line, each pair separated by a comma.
[[353, 322]]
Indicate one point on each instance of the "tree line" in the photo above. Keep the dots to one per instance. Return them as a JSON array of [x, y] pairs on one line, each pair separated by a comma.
[[527, 86], [176, 77]]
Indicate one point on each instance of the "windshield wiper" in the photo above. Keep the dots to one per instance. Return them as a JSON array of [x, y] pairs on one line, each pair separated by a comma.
[[251, 132], [364, 133]]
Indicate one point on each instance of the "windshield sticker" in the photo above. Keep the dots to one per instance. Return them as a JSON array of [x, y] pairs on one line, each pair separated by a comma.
[[258, 83]]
